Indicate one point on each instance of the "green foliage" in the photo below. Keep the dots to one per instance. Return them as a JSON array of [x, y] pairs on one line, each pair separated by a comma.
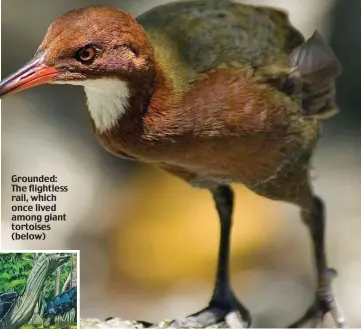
[[55, 326], [49, 288], [14, 269], [14, 272], [19, 282]]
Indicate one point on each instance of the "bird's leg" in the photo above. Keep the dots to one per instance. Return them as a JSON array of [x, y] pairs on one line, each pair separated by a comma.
[[223, 304], [325, 301]]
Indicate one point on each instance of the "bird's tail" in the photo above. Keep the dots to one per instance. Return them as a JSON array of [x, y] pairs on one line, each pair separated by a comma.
[[317, 67]]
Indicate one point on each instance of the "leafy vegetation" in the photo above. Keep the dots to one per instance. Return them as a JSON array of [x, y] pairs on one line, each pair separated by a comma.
[[56, 326], [14, 272], [15, 269]]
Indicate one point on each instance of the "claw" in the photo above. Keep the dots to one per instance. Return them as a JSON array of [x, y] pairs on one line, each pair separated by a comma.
[[229, 311], [235, 321], [338, 316], [315, 314]]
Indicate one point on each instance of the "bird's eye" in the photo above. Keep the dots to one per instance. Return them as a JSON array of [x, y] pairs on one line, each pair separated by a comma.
[[86, 54]]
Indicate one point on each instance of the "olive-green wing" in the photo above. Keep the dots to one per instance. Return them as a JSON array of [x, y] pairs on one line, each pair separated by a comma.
[[208, 33], [198, 37]]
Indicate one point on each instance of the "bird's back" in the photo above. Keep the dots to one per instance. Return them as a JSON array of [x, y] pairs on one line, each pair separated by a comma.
[[7, 300], [61, 303], [207, 34]]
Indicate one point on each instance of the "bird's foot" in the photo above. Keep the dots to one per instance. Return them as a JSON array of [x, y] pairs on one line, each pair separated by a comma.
[[324, 303], [229, 311]]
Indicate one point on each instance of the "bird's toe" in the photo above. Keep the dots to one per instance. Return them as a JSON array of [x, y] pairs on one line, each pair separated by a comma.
[[325, 304], [217, 315]]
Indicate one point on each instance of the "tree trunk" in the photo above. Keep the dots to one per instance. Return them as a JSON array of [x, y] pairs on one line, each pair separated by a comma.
[[67, 283], [57, 282], [36, 319], [24, 306], [74, 278]]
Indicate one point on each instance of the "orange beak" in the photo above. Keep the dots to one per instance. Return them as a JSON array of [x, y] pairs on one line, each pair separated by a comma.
[[34, 73]]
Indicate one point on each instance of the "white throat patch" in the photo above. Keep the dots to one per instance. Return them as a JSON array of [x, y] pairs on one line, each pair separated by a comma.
[[107, 100]]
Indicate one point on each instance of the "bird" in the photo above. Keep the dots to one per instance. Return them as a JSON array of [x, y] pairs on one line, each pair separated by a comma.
[[214, 92], [17, 309], [7, 299], [61, 304]]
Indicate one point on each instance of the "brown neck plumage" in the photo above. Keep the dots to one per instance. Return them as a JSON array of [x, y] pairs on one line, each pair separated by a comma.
[[136, 131]]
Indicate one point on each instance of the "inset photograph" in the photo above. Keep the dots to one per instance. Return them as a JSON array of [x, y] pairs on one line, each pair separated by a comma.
[[39, 289]]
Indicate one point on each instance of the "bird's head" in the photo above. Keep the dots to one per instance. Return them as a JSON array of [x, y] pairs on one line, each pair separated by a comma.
[[101, 48]]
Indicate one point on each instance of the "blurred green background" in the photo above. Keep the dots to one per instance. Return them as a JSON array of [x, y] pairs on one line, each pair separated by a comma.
[[148, 242]]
